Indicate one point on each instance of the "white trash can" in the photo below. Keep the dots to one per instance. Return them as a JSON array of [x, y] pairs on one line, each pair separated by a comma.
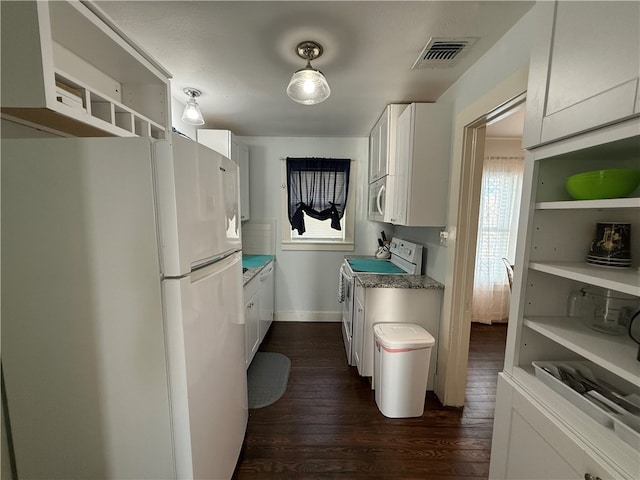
[[401, 367]]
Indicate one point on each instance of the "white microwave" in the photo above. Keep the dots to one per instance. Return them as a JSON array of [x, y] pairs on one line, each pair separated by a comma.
[[380, 199]]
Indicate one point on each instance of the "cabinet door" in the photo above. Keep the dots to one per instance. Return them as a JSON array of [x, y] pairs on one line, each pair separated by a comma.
[[358, 333], [243, 162], [585, 71], [251, 326], [266, 300], [374, 153], [383, 156], [421, 177], [404, 152], [531, 457]]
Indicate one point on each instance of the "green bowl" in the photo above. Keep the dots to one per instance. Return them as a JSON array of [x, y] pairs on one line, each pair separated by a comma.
[[611, 183]]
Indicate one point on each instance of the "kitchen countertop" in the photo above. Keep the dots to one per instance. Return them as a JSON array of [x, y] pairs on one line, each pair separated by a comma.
[[254, 265], [372, 280]]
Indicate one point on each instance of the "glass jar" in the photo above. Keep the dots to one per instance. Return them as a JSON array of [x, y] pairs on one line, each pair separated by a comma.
[[603, 310]]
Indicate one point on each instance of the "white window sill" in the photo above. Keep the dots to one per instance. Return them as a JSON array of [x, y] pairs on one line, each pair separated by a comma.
[[329, 246]]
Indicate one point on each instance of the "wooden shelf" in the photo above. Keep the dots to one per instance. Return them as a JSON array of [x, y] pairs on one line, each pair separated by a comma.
[[621, 280], [614, 353]]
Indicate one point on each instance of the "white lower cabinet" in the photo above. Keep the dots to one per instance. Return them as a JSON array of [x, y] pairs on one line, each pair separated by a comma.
[[537, 446], [531, 457], [396, 305], [358, 328], [258, 309], [251, 319], [266, 300]]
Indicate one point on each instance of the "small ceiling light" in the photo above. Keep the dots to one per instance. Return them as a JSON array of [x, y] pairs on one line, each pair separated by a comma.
[[308, 85], [192, 113]]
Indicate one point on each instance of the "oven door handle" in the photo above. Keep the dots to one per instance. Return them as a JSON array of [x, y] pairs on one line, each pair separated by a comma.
[[346, 276], [344, 271]]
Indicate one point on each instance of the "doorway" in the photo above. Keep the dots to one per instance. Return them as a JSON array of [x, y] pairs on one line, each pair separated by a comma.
[[498, 213], [499, 207], [462, 225]]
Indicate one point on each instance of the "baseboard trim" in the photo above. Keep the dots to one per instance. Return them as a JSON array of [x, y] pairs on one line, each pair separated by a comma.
[[308, 316]]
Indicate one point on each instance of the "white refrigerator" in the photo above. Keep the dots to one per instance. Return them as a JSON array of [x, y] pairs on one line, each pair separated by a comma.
[[122, 319]]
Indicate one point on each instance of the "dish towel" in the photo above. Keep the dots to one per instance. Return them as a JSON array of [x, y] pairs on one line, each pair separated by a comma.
[[340, 285]]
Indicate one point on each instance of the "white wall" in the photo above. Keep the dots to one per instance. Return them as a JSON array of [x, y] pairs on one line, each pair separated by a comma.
[[510, 54], [434, 265], [501, 74], [306, 281]]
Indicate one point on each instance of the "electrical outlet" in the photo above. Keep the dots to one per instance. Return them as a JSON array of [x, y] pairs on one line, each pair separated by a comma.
[[443, 237]]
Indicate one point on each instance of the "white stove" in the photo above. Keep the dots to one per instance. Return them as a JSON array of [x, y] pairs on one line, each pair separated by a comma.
[[406, 259]]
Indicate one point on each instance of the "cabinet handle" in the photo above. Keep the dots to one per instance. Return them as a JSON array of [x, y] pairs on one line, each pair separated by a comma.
[[588, 476]]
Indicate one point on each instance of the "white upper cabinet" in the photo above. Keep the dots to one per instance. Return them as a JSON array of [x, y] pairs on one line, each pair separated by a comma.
[[382, 143], [226, 143], [585, 68], [66, 67], [421, 178], [243, 163]]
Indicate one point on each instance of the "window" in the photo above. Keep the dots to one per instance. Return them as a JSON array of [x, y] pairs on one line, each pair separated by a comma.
[[315, 199], [497, 228]]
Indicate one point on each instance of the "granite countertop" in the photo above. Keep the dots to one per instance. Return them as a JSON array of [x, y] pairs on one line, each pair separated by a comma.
[[372, 280], [254, 265]]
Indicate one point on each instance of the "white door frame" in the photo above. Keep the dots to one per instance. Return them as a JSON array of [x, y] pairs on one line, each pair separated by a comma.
[[462, 227]]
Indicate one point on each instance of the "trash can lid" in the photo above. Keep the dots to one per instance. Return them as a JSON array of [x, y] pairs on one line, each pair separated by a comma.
[[402, 336]]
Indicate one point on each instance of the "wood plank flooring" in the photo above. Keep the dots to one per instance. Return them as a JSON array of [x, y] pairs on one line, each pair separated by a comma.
[[327, 425]]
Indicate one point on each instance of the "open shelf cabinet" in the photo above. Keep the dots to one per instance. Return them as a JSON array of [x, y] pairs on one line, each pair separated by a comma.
[[65, 66], [553, 241]]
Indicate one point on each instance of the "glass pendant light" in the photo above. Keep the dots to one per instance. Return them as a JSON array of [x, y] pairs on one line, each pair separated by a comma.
[[308, 85], [192, 113]]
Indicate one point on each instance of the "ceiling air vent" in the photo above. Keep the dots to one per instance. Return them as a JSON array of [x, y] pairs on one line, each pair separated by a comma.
[[443, 52]]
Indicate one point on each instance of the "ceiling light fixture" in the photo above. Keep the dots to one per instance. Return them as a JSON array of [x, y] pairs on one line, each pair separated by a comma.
[[308, 85], [192, 113]]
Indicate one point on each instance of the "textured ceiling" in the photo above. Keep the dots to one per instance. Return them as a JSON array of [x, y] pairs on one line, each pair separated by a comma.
[[241, 55]]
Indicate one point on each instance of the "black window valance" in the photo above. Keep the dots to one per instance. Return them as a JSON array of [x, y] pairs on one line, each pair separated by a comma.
[[317, 187]]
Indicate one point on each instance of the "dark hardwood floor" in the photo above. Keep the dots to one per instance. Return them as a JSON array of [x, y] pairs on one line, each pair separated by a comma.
[[327, 425]]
